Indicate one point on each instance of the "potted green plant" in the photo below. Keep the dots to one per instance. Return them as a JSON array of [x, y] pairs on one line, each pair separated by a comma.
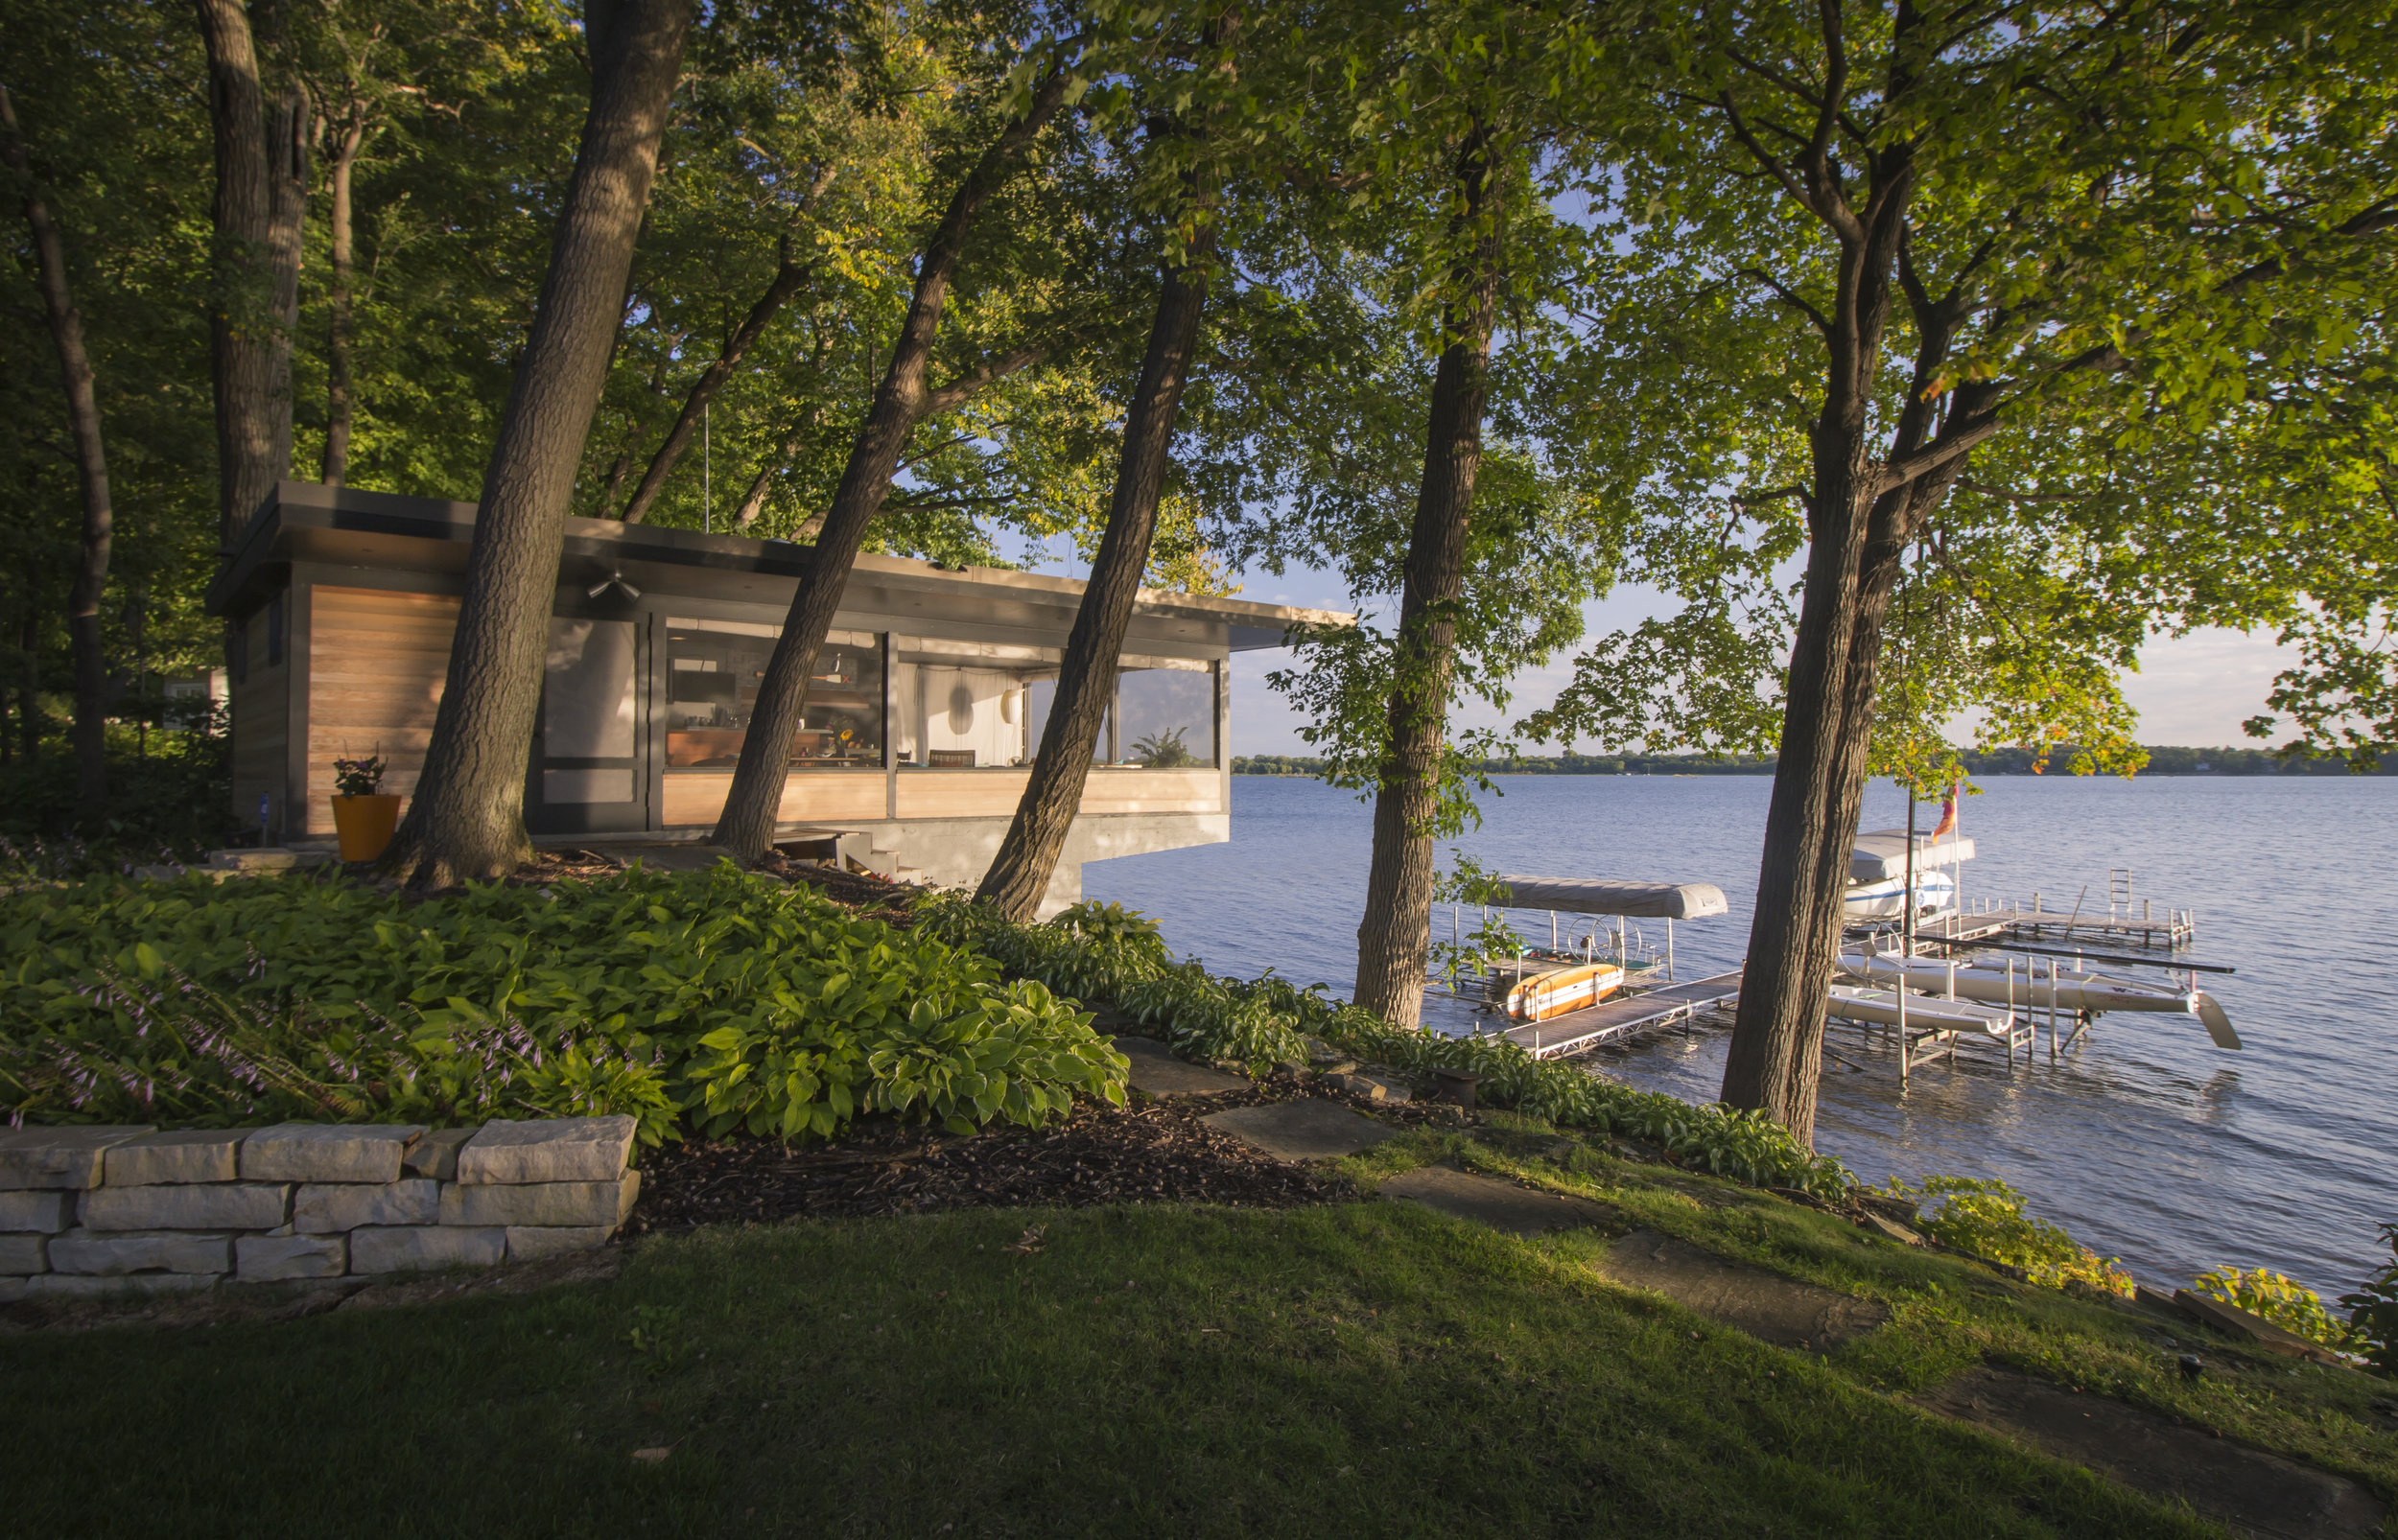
[[363, 815]]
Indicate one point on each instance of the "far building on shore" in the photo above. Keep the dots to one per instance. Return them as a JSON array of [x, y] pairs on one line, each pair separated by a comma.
[[924, 713]]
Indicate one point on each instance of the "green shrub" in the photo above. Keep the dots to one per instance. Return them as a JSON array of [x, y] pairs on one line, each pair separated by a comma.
[[2279, 1300], [703, 1002], [2373, 1310], [1988, 1219], [1259, 1022]]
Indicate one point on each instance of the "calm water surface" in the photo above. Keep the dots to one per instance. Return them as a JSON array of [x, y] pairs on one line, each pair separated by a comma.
[[2147, 1142]]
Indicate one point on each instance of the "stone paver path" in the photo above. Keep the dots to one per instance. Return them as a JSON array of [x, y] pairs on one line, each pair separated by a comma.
[[1157, 1072], [1502, 1205], [2244, 1488], [1766, 1305], [1300, 1131]]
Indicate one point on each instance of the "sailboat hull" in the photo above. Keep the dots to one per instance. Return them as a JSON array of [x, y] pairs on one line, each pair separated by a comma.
[[2020, 986], [1880, 1008]]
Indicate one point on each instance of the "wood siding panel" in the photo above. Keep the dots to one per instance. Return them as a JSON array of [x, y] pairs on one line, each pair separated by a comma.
[[961, 793], [996, 793], [1154, 791], [809, 797], [376, 665]]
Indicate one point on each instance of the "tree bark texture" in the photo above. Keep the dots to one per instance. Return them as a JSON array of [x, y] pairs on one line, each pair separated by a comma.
[[1085, 682], [1393, 939], [341, 300], [91, 473], [467, 818], [1866, 504], [745, 828], [288, 129], [789, 275], [241, 301]]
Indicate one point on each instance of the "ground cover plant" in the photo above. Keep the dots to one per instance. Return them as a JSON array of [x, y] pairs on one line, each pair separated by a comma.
[[709, 1003], [1353, 1369], [1107, 954]]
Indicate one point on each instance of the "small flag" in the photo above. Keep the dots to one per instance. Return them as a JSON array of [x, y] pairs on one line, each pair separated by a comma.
[[1949, 817]]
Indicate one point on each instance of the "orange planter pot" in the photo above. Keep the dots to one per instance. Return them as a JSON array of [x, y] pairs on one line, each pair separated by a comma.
[[365, 824]]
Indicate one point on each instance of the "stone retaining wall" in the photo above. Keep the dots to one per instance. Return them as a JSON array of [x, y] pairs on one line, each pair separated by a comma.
[[133, 1210]]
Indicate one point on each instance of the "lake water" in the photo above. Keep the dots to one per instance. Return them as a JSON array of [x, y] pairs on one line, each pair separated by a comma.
[[2147, 1142]]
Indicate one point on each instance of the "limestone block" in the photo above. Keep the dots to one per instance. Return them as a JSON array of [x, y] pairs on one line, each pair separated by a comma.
[[274, 1258], [20, 1254], [569, 1149], [215, 1205], [54, 1157], [46, 1212], [328, 1151], [12, 1290], [321, 1208], [179, 1155], [435, 1154], [420, 1247], [112, 1252], [531, 1243], [87, 1285], [542, 1203]]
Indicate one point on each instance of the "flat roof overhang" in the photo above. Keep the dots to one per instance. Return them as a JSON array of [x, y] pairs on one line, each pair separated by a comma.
[[343, 526]]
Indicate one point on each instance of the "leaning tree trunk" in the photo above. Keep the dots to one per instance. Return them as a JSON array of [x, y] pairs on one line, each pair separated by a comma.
[[340, 300], [241, 326], [1085, 682], [1394, 941], [91, 473], [468, 819], [745, 829]]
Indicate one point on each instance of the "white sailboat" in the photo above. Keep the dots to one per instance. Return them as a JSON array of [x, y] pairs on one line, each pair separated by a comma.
[[1992, 979]]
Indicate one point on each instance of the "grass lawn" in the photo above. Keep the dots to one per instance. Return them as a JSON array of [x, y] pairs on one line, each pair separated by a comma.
[[1358, 1369]]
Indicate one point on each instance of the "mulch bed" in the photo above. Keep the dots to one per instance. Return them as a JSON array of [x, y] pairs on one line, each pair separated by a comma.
[[1152, 1152], [871, 896]]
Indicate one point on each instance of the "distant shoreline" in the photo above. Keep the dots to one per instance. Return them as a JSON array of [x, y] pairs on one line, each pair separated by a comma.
[[2164, 760]]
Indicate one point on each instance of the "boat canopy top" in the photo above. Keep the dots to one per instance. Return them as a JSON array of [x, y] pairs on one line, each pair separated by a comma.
[[1608, 896], [1882, 854]]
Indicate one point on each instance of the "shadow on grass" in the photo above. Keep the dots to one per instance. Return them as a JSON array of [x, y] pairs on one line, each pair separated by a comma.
[[1360, 1369]]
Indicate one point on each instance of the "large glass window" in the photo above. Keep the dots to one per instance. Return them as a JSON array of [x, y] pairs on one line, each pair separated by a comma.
[[1164, 713], [965, 706], [712, 671]]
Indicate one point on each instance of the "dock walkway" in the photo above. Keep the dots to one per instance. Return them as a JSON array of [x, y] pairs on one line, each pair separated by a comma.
[[1578, 1031]]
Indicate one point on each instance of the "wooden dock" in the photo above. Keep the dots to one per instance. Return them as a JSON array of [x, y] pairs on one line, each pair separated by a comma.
[[1578, 1031]]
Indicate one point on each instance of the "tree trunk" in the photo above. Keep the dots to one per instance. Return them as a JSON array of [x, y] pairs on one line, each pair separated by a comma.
[[746, 827], [1859, 523], [241, 325], [1085, 682], [287, 184], [787, 277], [339, 324], [1392, 938], [467, 817], [91, 473], [754, 502]]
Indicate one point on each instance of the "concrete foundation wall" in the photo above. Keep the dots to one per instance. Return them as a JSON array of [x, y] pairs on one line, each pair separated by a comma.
[[955, 852]]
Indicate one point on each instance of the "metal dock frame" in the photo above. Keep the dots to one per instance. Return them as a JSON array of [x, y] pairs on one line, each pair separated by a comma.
[[1578, 1031]]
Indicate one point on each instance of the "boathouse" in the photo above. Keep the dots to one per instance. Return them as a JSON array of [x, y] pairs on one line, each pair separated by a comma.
[[924, 711]]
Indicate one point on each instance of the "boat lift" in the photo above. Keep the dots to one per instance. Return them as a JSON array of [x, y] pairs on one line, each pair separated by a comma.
[[1646, 1004]]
